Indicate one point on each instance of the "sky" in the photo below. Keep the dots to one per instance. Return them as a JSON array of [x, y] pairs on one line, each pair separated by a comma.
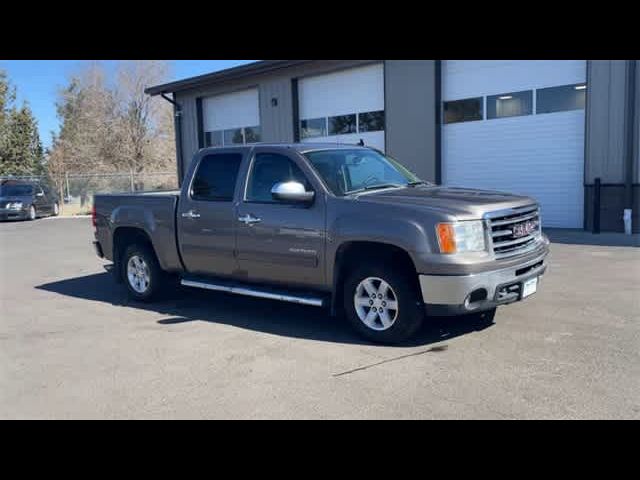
[[37, 82]]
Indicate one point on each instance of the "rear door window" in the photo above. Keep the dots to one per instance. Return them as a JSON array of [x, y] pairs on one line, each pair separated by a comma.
[[216, 177]]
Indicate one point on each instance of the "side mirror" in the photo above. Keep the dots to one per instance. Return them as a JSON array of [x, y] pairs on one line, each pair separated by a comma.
[[291, 192], [40, 194]]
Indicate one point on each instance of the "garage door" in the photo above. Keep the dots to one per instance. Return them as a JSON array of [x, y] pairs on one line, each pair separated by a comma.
[[517, 126], [343, 106], [232, 118]]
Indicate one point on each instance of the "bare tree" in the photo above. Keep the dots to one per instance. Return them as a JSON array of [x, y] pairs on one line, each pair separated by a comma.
[[111, 125], [145, 127]]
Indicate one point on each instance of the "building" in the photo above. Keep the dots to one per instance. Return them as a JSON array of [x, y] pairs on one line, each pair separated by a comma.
[[552, 129]]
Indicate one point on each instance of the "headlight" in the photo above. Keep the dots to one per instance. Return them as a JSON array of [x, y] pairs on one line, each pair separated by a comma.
[[458, 237], [14, 205]]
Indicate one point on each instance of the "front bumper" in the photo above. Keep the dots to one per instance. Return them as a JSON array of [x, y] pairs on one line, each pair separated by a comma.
[[7, 214], [461, 294]]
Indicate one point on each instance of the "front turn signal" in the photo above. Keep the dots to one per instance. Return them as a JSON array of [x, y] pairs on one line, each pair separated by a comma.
[[446, 238]]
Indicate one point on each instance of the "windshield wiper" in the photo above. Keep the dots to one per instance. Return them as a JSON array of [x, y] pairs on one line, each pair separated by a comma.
[[375, 187], [418, 182]]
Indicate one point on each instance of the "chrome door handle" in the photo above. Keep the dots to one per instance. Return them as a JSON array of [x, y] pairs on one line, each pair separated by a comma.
[[249, 220], [190, 214]]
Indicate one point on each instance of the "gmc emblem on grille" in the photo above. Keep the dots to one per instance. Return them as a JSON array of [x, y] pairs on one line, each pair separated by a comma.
[[525, 228]]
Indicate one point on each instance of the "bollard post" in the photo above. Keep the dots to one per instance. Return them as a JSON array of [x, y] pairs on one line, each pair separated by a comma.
[[596, 206]]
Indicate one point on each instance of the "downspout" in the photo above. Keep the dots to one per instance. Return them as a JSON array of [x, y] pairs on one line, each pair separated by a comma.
[[629, 150], [177, 122]]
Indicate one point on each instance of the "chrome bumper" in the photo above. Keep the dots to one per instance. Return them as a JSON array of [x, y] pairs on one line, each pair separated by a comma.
[[460, 294]]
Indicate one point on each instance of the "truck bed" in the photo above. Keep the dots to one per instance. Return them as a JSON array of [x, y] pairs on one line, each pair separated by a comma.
[[153, 212]]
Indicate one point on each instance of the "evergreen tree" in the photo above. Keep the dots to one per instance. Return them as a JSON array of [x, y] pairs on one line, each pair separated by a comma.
[[21, 151]]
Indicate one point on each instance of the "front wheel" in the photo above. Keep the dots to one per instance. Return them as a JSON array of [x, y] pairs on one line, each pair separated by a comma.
[[141, 273], [32, 213], [56, 209], [383, 303]]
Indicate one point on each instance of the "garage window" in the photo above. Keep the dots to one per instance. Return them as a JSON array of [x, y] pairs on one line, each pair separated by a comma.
[[252, 134], [371, 121], [233, 136], [466, 110], [342, 124], [561, 99], [213, 139], [510, 104], [315, 127]]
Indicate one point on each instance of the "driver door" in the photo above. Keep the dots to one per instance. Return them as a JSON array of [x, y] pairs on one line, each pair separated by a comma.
[[40, 200], [280, 242]]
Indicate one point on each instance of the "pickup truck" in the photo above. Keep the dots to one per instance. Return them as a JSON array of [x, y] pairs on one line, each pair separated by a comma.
[[343, 227]]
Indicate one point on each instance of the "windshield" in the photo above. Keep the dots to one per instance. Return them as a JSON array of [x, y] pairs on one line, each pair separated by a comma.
[[349, 171], [15, 190]]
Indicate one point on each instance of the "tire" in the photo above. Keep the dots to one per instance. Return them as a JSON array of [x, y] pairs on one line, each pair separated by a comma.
[[56, 209], [32, 215], [396, 325], [141, 273]]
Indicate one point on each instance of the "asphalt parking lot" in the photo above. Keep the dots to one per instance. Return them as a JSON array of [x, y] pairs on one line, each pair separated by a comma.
[[73, 346]]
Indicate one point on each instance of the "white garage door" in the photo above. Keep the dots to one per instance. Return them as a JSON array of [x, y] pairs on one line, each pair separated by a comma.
[[232, 118], [517, 126], [343, 107]]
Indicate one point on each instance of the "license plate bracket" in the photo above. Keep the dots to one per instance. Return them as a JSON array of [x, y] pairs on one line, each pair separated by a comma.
[[529, 287]]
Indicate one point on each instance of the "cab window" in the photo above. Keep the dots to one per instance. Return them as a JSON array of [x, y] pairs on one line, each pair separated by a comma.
[[269, 169]]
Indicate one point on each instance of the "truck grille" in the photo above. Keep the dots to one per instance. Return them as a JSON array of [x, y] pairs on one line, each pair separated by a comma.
[[514, 231]]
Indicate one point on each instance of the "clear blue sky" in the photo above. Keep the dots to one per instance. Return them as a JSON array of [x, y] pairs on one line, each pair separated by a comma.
[[37, 81]]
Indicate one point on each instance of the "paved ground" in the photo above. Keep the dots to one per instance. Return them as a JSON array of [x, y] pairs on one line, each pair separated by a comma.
[[72, 346]]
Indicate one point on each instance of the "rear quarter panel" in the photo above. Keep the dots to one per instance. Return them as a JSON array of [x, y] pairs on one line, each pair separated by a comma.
[[153, 213]]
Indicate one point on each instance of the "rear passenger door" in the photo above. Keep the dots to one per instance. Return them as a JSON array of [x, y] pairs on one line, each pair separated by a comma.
[[206, 220]]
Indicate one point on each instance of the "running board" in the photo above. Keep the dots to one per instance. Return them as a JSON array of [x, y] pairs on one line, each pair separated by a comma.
[[252, 291]]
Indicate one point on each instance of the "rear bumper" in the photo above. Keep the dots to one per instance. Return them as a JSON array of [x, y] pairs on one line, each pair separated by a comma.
[[452, 294]]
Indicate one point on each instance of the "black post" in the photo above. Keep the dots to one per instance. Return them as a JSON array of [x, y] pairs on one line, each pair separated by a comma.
[[596, 206]]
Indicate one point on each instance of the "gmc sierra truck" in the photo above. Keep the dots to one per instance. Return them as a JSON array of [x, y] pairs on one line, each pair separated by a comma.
[[343, 227]]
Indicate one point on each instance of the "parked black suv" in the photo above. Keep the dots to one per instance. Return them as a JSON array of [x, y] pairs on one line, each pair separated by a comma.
[[20, 200]]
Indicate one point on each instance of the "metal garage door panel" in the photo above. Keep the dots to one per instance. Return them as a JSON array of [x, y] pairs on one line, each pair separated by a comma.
[[541, 156], [232, 110], [537, 155], [355, 90]]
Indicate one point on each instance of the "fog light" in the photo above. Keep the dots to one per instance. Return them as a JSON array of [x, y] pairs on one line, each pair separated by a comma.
[[476, 296]]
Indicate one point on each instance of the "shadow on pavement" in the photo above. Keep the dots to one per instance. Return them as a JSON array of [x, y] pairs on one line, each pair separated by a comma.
[[276, 318]]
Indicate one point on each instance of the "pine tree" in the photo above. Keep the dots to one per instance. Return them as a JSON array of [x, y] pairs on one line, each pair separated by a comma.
[[21, 151]]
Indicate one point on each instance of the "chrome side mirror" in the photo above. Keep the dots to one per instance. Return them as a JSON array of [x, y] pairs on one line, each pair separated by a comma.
[[291, 192]]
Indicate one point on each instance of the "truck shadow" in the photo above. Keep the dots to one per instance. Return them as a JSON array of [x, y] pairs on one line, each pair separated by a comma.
[[272, 317]]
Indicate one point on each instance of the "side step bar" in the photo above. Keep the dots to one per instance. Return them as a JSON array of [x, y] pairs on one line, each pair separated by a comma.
[[251, 291]]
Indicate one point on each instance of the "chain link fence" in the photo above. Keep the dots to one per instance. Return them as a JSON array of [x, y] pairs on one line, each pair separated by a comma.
[[75, 190]]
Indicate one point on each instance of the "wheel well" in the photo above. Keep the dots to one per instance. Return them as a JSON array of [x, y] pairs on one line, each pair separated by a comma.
[[351, 254], [122, 238]]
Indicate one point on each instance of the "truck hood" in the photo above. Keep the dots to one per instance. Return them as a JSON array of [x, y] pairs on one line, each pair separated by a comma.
[[463, 203]]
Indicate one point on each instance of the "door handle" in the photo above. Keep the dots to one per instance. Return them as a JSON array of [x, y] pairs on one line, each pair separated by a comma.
[[190, 214], [249, 220]]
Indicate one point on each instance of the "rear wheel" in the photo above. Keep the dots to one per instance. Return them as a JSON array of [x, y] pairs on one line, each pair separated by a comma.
[[383, 303], [141, 273], [56, 209]]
